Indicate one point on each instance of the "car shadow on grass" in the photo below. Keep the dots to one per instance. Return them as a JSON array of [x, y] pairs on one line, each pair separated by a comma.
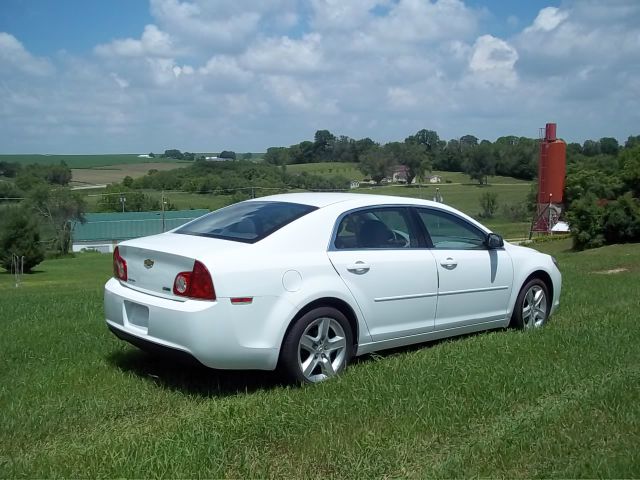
[[191, 377]]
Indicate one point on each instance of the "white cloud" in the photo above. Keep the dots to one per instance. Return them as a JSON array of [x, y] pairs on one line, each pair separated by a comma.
[[286, 55], [493, 61], [548, 19], [153, 42], [14, 56]]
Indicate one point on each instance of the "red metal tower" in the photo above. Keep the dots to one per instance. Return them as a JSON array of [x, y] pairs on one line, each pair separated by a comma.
[[552, 168]]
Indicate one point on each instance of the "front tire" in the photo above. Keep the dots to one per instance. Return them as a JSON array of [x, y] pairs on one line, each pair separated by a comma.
[[318, 346], [532, 306]]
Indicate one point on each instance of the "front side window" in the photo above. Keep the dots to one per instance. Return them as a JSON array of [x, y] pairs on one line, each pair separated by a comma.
[[376, 228], [451, 232], [247, 221]]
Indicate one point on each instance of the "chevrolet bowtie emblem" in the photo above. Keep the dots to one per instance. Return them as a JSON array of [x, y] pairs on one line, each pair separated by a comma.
[[148, 263]]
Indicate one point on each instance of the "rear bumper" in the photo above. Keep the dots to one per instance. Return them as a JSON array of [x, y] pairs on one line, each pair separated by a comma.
[[217, 334], [155, 348]]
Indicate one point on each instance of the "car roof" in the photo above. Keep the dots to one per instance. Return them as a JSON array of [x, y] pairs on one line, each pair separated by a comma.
[[348, 201], [323, 199]]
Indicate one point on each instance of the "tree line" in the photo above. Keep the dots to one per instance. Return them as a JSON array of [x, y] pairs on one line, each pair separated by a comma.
[[419, 153], [602, 192]]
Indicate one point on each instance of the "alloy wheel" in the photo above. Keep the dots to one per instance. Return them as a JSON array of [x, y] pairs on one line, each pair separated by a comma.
[[322, 349], [534, 307]]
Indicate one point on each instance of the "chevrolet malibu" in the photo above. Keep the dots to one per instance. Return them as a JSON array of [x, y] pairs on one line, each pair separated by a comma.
[[304, 282]]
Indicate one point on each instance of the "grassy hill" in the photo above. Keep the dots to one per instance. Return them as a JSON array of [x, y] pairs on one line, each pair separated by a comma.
[[560, 402]]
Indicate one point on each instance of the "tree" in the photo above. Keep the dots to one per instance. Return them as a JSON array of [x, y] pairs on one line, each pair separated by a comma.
[[362, 146], [632, 141], [19, 235], [414, 156], [377, 163], [152, 155], [609, 146], [428, 138], [323, 142], [630, 159], [58, 174], [9, 169], [231, 155], [468, 141], [9, 190], [450, 158], [62, 209], [173, 153], [277, 156], [479, 163], [590, 148]]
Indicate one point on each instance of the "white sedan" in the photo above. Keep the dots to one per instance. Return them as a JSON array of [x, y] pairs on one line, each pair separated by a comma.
[[305, 281]]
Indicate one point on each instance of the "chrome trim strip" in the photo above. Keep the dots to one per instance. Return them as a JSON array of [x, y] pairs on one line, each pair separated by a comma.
[[404, 297], [473, 290]]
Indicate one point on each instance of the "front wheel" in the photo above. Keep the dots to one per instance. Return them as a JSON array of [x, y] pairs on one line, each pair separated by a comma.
[[532, 306], [318, 346]]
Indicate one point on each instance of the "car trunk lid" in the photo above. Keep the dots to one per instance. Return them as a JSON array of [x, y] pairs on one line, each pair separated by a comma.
[[154, 262]]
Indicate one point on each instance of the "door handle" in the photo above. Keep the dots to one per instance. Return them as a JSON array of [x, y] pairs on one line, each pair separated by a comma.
[[359, 268], [449, 263]]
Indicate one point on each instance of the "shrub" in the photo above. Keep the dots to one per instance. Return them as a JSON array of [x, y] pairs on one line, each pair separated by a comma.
[[621, 220], [489, 204], [585, 217]]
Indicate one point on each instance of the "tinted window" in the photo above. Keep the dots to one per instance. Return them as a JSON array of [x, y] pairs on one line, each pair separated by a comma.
[[376, 228], [246, 221], [449, 231]]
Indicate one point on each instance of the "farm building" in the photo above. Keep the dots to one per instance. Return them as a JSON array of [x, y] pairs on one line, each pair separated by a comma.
[[102, 231]]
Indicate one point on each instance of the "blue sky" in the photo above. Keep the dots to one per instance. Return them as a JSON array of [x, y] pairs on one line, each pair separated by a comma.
[[135, 76]]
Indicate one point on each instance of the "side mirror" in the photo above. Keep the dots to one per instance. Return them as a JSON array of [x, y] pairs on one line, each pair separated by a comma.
[[494, 241]]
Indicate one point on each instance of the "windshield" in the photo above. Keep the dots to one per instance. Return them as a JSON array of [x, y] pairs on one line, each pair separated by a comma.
[[247, 221]]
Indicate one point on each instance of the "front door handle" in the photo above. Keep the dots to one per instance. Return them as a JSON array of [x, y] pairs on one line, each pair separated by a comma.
[[359, 268], [449, 263]]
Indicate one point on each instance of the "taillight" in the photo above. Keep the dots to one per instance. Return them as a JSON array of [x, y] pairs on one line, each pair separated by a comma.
[[119, 265], [195, 284]]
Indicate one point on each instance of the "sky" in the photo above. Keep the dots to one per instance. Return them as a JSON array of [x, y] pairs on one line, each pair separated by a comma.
[[134, 76]]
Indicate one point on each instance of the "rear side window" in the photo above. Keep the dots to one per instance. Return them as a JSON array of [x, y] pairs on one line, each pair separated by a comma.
[[247, 221]]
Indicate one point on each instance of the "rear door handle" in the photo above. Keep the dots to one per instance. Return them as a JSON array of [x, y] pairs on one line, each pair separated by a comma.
[[359, 268], [449, 263]]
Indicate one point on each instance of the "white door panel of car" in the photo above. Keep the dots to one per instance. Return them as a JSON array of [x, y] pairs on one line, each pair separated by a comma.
[[393, 281], [395, 289], [475, 286], [474, 281]]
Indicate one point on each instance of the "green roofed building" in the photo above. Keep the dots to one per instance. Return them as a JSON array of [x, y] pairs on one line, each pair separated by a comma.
[[103, 231]]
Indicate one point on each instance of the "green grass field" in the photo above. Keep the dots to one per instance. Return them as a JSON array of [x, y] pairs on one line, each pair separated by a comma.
[[560, 402]]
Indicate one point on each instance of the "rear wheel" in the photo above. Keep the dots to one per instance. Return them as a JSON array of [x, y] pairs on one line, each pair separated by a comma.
[[532, 306], [318, 346]]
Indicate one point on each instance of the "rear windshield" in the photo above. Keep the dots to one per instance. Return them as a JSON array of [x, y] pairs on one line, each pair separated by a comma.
[[247, 221]]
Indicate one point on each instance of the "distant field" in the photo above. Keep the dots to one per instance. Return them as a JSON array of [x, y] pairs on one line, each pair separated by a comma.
[[328, 169], [116, 173], [82, 161]]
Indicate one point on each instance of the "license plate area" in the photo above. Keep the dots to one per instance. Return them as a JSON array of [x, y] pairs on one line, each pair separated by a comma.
[[136, 315]]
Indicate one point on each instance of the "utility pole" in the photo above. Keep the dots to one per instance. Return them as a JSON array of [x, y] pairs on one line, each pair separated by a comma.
[[162, 202]]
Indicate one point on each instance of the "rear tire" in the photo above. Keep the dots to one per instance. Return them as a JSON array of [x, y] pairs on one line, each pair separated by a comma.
[[318, 346], [532, 306]]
